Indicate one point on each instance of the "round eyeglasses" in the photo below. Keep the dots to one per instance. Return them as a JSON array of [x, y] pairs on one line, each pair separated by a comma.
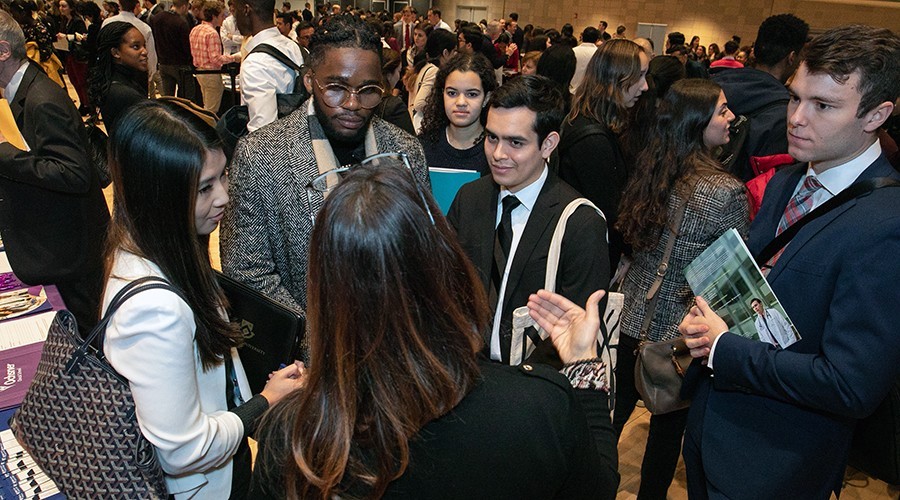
[[335, 95]]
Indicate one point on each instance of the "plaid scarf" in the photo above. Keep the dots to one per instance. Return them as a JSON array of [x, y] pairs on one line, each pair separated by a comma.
[[325, 157]]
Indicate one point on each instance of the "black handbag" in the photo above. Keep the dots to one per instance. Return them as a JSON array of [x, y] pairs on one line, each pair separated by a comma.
[[660, 366], [96, 149], [78, 418]]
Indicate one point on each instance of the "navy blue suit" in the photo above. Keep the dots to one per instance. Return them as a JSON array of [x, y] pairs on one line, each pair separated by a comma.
[[778, 423]]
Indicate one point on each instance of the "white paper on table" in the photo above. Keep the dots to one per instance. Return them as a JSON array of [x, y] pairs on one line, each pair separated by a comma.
[[4, 263], [25, 331]]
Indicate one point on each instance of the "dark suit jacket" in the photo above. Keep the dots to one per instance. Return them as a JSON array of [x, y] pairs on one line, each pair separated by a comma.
[[584, 259], [53, 215], [778, 423]]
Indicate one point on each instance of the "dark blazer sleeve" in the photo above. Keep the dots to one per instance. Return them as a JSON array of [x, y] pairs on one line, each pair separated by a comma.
[[594, 470], [856, 363], [57, 160]]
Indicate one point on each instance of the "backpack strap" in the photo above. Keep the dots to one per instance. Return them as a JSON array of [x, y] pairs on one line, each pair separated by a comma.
[[279, 55]]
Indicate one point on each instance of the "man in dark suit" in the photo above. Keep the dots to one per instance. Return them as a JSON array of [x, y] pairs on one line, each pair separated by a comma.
[[523, 200], [53, 215], [777, 423]]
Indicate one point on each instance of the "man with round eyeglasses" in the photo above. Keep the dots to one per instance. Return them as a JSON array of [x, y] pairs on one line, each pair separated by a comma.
[[266, 231]]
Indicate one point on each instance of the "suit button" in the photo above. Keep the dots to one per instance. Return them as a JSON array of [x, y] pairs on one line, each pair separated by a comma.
[[527, 368]]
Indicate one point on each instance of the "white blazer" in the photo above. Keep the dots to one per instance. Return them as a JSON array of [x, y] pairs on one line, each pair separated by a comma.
[[181, 409]]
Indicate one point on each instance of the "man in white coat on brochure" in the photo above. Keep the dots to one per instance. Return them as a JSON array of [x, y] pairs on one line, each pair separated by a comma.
[[771, 325]]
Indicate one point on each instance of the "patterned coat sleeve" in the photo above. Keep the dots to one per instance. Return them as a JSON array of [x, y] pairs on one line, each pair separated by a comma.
[[245, 248]]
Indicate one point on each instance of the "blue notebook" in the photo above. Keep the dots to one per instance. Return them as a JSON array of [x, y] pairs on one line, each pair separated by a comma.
[[445, 183]]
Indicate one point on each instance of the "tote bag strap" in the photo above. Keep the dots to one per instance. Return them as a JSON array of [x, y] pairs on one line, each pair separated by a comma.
[[130, 290], [556, 241]]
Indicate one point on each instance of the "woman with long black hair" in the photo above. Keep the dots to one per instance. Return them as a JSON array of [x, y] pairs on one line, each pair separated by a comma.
[[397, 402], [676, 171], [178, 352]]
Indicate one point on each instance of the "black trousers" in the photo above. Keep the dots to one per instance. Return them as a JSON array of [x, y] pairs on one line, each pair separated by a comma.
[[666, 431]]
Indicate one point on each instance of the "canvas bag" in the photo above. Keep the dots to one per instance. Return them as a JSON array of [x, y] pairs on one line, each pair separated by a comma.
[[78, 418], [523, 343]]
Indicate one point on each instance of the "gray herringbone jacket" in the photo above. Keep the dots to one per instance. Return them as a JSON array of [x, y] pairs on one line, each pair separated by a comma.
[[717, 204], [266, 231]]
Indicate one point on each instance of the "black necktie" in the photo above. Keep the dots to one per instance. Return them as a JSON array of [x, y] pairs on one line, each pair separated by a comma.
[[502, 241]]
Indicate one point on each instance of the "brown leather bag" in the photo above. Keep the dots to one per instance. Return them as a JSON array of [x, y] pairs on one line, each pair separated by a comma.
[[660, 366]]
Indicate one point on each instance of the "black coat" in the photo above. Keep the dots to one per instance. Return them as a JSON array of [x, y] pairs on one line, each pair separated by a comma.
[[519, 434], [53, 215]]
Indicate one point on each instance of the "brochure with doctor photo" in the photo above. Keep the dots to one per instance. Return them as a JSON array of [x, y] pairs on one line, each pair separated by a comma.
[[727, 277]]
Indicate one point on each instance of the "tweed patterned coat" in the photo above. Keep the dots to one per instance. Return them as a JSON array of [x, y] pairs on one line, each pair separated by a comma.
[[717, 204], [266, 231]]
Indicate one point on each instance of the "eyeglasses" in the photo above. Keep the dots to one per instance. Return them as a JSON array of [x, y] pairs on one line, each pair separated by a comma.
[[326, 182], [335, 95]]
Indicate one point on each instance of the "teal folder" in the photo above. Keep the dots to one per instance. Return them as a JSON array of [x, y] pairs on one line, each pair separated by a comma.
[[445, 182]]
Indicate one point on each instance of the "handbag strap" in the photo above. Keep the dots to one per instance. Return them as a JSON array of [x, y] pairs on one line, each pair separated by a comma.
[[130, 290], [556, 242], [855, 190], [652, 296]]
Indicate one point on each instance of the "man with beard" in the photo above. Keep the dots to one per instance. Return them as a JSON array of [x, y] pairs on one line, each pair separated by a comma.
[[266, 231]]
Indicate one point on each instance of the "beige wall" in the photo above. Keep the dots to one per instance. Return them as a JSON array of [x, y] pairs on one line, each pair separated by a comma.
[[713, 20]]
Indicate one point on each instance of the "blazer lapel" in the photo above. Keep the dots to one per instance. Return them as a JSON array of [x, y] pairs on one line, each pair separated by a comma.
[[485, 228], [534, 234], [879, 168], [18, 103]]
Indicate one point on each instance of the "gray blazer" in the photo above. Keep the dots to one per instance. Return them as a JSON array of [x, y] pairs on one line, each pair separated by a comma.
[[717, 204], [266, 231]]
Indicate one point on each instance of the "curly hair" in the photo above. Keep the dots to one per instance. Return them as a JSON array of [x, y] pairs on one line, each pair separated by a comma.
[[343, 32], [435, 120], [615, 67], [674, 157], [100, 69]]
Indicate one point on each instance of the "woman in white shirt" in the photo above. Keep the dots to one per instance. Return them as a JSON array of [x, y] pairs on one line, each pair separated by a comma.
[[191, 395]]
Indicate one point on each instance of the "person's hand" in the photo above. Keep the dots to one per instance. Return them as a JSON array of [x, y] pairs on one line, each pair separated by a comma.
[[511, 48], [284, 381], [60, 36], [700, 328], [572, 330]]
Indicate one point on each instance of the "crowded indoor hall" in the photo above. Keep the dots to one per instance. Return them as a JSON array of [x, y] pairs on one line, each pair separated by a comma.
[[438, 249]]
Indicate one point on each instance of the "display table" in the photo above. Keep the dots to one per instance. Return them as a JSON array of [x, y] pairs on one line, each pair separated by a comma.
[[24, 322]]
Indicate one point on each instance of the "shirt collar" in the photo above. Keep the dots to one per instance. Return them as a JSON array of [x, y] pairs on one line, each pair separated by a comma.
[[527, 195], [14, 82], [838, 178], [262, 36]]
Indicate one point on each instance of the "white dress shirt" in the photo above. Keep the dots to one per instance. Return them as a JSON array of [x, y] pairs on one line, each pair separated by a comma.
[[583, 55], [262, 76], [231, 37], [527, 197], [145, 30]]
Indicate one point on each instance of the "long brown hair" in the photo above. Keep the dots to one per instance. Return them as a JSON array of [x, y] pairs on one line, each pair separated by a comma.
[[614, 67], [156, 155], [675, 155], [396, 313]]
